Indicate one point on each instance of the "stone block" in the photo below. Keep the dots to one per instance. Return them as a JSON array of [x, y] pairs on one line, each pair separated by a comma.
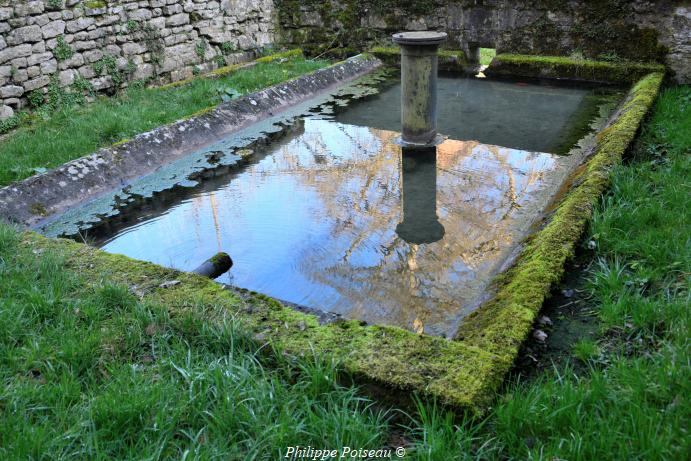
[[33, 71], [49, 67], [53, 29], [20, 76], [14, 52], [27, 34], [143, 71], [92, 55], [39, 58], [79, 24], [131, 48], [36, 83], [178, 20], [75, 60], [11, 91], [6, 13], [140, 15], [23, 8], [67, 77], [40, 20], [6, 112], [86, 71]]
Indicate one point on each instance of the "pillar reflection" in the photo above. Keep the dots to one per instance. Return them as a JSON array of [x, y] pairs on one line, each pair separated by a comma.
[[419, 196]]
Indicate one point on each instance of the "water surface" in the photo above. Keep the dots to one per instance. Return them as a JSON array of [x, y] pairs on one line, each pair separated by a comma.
[[337, 217]]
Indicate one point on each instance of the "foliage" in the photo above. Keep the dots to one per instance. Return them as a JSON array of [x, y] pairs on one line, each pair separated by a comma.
[[220, 60], [227, 48], [200, 49], [108, 65], [62, 50], [10, 123]]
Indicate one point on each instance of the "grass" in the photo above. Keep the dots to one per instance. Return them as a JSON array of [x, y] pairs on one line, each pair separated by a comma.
[[635, 406], [73, 131], [89, 370]]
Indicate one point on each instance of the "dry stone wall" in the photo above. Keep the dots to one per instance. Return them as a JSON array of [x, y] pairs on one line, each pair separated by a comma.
[[110, 43]]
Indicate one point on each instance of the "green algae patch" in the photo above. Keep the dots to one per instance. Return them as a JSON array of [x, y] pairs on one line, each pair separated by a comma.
[[452, 372], [448, 59], [288, 54], [501, 324], [618, 72]]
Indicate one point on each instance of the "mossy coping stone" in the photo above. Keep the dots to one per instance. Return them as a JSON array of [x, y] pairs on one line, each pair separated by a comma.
[[465, 372], [448, 59], [502, 324], [617, 72]]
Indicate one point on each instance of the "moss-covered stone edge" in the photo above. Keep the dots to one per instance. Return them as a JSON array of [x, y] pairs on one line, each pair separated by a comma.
[[454, 60], [227, 70], [502, 324], [393, 360], [616, 72]]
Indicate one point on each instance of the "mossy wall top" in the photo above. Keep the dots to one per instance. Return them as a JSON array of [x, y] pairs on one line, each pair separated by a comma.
[[609, 29]]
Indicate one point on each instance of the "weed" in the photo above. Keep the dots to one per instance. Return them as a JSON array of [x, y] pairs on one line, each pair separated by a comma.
[[62, 50], [227, 48], [586, 350], [200, 49]]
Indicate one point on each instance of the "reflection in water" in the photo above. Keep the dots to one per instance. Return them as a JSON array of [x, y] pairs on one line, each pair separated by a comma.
[[319, 221], [419, 196], [530, 117]]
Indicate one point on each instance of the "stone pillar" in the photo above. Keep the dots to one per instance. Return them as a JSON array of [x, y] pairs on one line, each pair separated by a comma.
[[419, 86], [420, 223]]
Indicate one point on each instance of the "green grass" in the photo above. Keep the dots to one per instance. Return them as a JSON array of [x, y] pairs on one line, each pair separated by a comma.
[[486, 55], [76, 130], [636, 406], [90, 371]]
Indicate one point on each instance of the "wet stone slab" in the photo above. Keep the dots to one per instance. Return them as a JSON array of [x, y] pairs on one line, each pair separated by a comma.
[[338, 218]]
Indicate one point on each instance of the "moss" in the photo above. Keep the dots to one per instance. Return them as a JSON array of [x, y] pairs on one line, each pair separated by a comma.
[[448, 59], [95, 4], [289, 54], [221, 259], [454, 373], [502, 324], [38, 209], [121, 142], [569, 68]]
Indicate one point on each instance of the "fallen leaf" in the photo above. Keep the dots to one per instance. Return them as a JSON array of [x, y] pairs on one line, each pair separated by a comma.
[[170, 283], [540, 336], [418, 326]]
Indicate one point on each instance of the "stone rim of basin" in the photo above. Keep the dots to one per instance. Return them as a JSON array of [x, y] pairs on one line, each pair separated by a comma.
[[424, 37]]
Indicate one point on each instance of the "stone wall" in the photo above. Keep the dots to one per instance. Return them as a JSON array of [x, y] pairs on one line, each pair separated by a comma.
[[109, 43], [630, 29]]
